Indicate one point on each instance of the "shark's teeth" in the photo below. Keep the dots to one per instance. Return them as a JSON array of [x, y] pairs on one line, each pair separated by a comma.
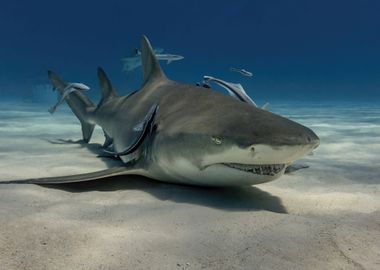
[[272, 169]]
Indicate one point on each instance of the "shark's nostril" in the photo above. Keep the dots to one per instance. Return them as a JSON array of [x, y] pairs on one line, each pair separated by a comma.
[[308, 139]]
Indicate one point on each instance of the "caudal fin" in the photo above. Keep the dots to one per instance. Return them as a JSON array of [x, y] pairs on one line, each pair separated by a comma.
[[80, 105]]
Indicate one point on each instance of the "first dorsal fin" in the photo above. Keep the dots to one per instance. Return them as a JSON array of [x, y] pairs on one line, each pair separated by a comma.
[[105, 85], [151, 67]]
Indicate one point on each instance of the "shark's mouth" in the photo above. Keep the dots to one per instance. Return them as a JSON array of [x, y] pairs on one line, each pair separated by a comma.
[[271, 170]]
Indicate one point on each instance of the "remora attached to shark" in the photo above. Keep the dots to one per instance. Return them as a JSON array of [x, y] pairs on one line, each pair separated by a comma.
[[181, 133]]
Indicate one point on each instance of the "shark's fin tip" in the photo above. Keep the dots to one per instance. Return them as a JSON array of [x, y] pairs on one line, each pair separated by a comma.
[[151, 67], [105, 84]]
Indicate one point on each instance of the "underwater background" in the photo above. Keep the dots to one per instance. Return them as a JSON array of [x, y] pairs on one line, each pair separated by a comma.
[[315, 62], [296, 50]]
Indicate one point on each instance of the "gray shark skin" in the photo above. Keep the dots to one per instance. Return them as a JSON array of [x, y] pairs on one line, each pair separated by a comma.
[[186, 134]]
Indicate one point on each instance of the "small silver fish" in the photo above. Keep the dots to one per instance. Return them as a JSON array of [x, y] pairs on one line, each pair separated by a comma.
[[235, 90], [71, 87], [134, 61], [242, 72]]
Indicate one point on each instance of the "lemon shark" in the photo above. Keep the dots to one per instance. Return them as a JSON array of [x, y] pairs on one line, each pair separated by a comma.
[[180, 133]]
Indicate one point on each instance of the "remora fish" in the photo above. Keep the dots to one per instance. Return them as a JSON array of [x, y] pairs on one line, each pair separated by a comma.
[[130, 63], [180, 133], [71, 87], [242, 72], [235, 90]]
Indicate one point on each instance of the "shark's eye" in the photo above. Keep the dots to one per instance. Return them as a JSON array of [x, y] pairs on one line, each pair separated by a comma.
[[216, 140]]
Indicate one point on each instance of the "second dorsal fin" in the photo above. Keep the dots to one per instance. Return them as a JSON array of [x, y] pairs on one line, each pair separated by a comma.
[[105, 85]]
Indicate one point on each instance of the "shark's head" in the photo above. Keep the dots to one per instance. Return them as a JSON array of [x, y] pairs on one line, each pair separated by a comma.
[[206, 138], [226, 142]]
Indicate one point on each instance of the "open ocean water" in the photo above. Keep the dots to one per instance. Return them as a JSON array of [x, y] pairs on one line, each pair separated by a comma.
[[314, 62]]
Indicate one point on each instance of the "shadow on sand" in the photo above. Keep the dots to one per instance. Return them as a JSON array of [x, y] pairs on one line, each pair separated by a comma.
[[95, 148], [227, 198]]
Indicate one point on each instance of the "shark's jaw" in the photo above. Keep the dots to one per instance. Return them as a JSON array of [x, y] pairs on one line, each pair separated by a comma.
[[183, 170], [244, 166], [234, 166], [270, 169], [219, 174], [238, 174]]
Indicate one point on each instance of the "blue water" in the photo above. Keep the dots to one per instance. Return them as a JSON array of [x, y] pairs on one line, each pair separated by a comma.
[[297, 50], [316, 62]]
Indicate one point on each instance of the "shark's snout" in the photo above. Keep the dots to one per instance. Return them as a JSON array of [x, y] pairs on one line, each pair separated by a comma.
[[313, 139], [302, 136], [280, 131], [286, 145]]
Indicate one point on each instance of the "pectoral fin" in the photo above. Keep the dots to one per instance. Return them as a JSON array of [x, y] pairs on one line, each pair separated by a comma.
[[108, 140], [73, 178], [143, 128]]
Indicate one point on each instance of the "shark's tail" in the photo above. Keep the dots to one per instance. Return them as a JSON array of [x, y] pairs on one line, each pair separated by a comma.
[[81, 105]]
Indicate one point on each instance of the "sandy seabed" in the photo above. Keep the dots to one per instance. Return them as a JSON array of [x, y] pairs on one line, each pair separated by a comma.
[[323, 217]]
